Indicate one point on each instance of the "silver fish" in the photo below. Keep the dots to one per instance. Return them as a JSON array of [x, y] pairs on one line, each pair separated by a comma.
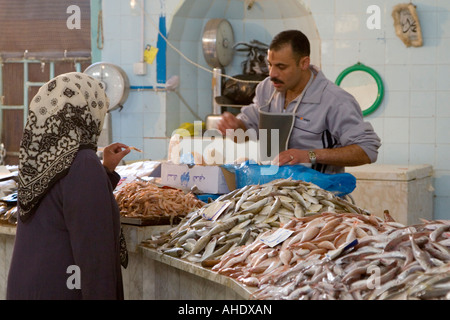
[[437, 233], [243, 190], [287, 205], [201, 244], [284, 182], [421, 256], [309, 198], [265, 191], [174, 252], [298, 197], [188, 235], [209, 249], [223, 226], [256, 207], [275, 206], [245, 237], [227, 196], [298, 211], [241, 200], [188, 246], [228, 236], [239, 227], [225, 248]]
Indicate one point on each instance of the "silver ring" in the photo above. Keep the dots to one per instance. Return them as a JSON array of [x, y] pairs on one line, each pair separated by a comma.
[[292, 158]]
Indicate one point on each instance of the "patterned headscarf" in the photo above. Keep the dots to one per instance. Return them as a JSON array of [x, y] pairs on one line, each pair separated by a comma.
[[66, 115]]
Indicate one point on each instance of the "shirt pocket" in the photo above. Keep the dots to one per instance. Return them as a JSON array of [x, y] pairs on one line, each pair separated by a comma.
[[305, 134], [307, 126]]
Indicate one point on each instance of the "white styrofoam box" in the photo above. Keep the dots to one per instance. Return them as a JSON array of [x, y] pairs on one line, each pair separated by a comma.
[[211, 150], [405, 191], [208, 179]]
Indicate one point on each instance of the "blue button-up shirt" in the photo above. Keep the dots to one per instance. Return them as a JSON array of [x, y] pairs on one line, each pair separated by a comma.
[[327, 117]]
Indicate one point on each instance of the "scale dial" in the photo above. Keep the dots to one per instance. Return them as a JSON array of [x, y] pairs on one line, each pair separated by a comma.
[[115, 80], [217, 42]]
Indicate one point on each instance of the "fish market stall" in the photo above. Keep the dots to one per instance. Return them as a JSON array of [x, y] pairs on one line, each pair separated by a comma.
[[147, 209], [149, 275], [132, 276], [235, 219], [285, 239], [170, 278], [293, 240], [148, 203]]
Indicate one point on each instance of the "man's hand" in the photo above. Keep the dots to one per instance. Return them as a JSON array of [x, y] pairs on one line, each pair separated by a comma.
[[229, 121], [348, 156], [113, 154], [291, 156]]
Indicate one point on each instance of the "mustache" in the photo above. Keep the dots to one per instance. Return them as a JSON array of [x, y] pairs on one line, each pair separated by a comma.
[[276, 80]]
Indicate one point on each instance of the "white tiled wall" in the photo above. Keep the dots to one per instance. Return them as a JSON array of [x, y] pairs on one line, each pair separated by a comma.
[[413, 120]]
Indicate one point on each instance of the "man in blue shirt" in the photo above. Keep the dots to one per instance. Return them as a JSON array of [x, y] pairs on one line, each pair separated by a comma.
[[318, 122]]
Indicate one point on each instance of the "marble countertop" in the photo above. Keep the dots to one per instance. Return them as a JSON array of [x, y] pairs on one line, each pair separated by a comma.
[[196, 269], [390, 172], [7, 229], [134, 235]]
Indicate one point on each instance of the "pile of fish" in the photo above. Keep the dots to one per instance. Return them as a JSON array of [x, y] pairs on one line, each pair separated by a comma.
[[328, 248], [433, 284], [239, 217], [8, 214], [8, 208], [145, 199], [397, 263], [325, 235]]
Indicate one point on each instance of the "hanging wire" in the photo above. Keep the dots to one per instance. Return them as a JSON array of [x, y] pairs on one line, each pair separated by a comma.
[[100, 30], [186, 58]]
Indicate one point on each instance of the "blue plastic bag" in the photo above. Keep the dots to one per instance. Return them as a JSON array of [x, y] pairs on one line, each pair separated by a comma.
[[248, 173]]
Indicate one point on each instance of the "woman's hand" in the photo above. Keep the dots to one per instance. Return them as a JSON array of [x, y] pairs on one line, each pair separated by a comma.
[[113, 154]]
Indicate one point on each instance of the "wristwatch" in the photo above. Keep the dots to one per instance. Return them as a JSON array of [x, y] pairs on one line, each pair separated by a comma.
[[312, 157]]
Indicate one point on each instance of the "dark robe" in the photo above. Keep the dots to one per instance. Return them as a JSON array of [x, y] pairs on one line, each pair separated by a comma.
[[77, 225]]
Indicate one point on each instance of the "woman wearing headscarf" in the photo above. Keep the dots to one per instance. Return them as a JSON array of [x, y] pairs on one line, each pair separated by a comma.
[[68, 240]]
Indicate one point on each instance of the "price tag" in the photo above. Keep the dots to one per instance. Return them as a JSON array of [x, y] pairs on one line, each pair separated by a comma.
[[215, 209], [277, 237]]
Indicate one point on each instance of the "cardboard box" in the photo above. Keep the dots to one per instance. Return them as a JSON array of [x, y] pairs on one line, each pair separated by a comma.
[[208, 179]]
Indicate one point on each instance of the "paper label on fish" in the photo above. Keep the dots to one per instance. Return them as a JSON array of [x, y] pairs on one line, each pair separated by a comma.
[[277, 237], [214, 210]]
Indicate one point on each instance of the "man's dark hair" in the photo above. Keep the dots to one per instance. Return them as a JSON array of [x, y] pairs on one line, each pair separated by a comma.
[[297, 39]]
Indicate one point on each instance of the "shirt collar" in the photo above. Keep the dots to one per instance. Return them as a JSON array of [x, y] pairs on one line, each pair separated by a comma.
[[314, 92], [312, 95]]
